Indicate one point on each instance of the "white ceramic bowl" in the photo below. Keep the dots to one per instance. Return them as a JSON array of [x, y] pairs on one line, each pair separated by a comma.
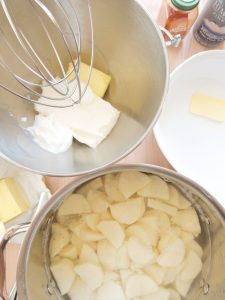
[[195, 146]]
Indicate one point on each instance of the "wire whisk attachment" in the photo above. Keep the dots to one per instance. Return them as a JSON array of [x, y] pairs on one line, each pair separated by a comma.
[[42, 40]]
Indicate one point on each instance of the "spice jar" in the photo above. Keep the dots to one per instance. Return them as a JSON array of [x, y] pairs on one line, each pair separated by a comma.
[[181, 15]]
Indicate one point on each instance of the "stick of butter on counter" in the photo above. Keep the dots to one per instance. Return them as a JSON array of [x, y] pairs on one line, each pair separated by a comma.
[[99, 80], [13, 202], [208, 107]]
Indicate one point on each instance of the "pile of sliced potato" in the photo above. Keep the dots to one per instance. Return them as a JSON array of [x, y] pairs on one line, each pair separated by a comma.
[[125, 236]]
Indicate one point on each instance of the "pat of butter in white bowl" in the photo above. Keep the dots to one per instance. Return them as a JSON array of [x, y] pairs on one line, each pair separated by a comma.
[[89, 122]]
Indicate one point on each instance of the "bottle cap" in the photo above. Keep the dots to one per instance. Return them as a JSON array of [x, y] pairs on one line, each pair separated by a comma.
[[185, 4]]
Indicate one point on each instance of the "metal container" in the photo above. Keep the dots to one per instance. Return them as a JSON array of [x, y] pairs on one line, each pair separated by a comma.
[[129, 46], [32, 275]]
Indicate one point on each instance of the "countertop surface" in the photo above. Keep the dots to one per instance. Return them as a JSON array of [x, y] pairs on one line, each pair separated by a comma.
[[148, 151]]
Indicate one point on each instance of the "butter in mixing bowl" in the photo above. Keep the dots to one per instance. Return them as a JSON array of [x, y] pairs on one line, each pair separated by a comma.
[[208, 107], [89, 122]]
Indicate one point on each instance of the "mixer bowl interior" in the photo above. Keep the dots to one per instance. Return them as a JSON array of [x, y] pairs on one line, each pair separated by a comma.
[[130, 48]]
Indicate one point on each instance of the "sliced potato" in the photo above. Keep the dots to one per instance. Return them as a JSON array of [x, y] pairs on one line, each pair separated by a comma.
[[128, 212], [64, 274], [139, 253], [182, 287], [160, 294], [172, 250], [157, 188], [110, 290], [98, 201], [139, 285], [107, 255], [125, 274], [91, 220], [193, 245], [112, 231], [69, 251], [86, 234], [191, 267], [91, 274], [131, 182], [94, 184], [80, 290], [106, 216], [141, 231], [59, 239], [163, 220], [88, 255], [170, 276], [174, 295], [177, 199], [77, 242], [74, 204], [156, 272], [159, 205], [65, 220], [122, 258], [151, 226], [111, 185], [188, 220]]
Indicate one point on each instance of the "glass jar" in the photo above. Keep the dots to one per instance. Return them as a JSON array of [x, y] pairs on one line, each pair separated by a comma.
[[181, 15]]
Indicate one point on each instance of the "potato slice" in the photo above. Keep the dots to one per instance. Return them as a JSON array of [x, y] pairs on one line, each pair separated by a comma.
[[112, 231], [106, 255], [74, 204], [108, 276], [150, 224], [80, 290], [125, 274], [110, 290], [172, 250], [88, 255], [128, 212], [157, 188], [64, 274], [98, 201], [138, 252], [122, 258], [131, 182], [188, 220], [69, 251], [193, 245], [159, 205], [161, 294], [106, 216], [192, 266], [111, 185], [91, 220], [170, 275], [94, 184], [163, 220], [91, 274], [174, 295], [182, 287], [139, 285], [177, 199], [59, 239], [156, 272], [141, 231], [86, 234], [77, 242]]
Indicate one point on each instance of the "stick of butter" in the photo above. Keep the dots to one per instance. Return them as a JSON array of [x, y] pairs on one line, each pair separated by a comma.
[[208, 107], [99, 81], [13, 202]]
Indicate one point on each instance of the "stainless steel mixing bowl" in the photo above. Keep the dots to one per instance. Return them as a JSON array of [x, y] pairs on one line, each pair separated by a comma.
[[32, 282], [130, 47]]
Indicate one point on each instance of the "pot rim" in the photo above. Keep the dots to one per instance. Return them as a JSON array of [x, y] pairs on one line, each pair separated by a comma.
[[59, 195]]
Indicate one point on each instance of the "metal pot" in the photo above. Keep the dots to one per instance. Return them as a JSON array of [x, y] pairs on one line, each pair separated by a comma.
[[33, 281], [130, 47]]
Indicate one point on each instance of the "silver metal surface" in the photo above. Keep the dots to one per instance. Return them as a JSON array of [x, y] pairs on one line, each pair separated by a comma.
[[130, 47], [208, 286], [35, 73]]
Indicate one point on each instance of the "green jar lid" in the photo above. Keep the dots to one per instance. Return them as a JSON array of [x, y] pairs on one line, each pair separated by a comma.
[[185, 4]]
